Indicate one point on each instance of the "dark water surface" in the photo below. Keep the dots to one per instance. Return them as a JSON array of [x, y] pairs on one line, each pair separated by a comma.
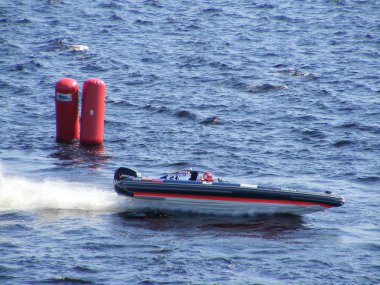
[[261, 92]]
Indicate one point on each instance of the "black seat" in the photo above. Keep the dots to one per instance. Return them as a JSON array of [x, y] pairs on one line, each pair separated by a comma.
[[194, 175]]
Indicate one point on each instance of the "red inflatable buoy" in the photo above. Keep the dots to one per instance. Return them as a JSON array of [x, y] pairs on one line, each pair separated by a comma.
[[66, 110], [93, 108]]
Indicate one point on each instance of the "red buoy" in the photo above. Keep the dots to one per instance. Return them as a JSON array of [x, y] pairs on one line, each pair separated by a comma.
[[66, 110], [93, 108]]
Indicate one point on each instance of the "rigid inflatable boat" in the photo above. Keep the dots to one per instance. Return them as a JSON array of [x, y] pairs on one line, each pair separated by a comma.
[[188, 191]]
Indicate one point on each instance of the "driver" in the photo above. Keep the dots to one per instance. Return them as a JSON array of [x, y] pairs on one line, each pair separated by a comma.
[[208, 177]]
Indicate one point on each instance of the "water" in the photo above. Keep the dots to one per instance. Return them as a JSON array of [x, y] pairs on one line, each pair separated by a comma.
[[260, 92]]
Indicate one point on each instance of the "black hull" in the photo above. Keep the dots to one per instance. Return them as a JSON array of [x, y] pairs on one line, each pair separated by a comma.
[[227, 192]]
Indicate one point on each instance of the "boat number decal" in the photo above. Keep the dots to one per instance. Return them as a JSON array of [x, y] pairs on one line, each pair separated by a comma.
[[289, 189]]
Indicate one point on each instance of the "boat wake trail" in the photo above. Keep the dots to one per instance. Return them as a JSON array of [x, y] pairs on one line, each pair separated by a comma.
[[23, 194]]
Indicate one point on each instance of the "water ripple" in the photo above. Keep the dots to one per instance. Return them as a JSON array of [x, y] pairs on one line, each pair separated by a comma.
[[258, 92]]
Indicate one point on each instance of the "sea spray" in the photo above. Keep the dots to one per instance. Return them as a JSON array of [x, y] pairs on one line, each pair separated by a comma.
[[18, 193]]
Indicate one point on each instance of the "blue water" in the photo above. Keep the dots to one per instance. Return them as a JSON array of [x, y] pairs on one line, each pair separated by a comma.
[[258, 92]]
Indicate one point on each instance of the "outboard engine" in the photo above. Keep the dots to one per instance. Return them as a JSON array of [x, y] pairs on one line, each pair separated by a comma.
[[120, 174], [123, 172]]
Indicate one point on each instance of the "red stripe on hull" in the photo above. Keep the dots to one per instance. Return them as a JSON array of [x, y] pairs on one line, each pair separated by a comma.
[[152, 180], [232, 199]]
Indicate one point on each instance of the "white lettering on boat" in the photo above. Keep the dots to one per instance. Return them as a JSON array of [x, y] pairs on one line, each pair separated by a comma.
[[289, 189], [248, 186]]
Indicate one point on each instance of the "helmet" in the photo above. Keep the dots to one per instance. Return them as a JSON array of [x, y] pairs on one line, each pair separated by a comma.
[[208, 176]]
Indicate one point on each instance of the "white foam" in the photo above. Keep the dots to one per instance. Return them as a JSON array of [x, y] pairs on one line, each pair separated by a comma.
[[18, 193], [79, 47]]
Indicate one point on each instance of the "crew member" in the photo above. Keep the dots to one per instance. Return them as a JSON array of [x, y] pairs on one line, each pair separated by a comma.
[[208, 177]]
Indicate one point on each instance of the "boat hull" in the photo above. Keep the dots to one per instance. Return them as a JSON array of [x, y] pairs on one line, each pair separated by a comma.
[[220, 207], [222, 198]]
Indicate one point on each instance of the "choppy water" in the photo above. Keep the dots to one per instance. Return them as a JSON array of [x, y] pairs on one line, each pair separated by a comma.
[[258, 91]]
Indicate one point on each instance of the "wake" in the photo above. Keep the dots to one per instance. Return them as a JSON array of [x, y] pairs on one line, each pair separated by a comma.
[[23, 194]]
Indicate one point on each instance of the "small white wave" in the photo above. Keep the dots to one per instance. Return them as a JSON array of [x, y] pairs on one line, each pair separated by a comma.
[[23, 194], [79, 47]]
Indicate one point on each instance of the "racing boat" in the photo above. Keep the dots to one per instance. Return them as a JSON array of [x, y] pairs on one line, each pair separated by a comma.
[[196, 191]]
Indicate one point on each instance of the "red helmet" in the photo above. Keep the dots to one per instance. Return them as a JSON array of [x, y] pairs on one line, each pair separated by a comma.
[[208, 176]]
